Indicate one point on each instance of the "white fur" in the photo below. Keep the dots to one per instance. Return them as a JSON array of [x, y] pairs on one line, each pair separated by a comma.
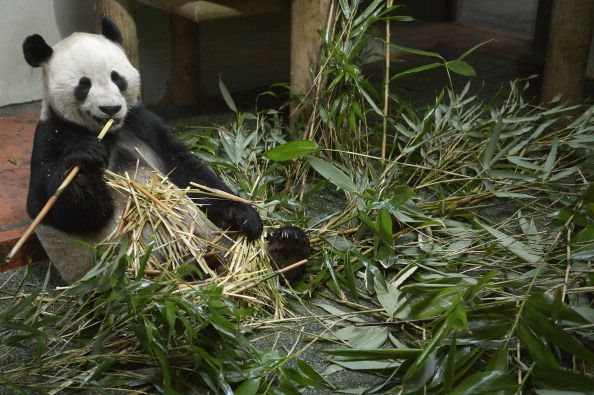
[[95, 57]]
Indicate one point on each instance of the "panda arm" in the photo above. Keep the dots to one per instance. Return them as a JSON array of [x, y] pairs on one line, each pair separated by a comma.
[[184, 167], [85, 205]]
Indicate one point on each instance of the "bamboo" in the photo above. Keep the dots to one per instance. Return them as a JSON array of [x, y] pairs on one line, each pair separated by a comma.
[[52, 200]]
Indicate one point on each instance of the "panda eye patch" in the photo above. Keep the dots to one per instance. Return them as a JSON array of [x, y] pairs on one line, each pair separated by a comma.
[[120, 81], [82, 89]]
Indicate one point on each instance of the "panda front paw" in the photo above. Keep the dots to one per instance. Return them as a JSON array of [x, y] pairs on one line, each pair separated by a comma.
[[239, 217], [91, 156]]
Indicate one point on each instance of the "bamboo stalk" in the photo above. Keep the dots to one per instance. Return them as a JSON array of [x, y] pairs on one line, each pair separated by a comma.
[[386, 87], [50, 203]]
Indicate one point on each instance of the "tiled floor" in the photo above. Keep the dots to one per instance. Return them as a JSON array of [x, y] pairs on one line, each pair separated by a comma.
[[17, 128], [508, 57]]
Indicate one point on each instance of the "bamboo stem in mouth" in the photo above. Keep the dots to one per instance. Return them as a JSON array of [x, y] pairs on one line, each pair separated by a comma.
[[51, 201]]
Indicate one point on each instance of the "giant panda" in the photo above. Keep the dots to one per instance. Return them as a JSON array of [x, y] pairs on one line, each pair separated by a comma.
[[88, 79]]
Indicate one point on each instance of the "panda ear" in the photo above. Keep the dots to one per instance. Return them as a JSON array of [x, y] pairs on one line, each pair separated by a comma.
[[36, 50], [110, 30]]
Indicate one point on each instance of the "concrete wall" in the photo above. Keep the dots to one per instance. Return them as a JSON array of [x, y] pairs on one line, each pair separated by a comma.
[[53, 19]]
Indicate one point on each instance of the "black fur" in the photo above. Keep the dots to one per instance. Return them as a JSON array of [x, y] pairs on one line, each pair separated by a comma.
[[82, 89], [111, 31], [36, 50], [120, 81], [287, 246], [86, 204]]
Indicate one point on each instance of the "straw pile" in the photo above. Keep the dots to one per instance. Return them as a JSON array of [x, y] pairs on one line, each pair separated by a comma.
[[166, 231]]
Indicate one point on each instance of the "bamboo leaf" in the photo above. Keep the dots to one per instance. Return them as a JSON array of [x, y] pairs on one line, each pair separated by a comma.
[[384, 227], [543, 326], [416, 70], [311, 373], [537, 349], [548, 165], [471, 50], [416, 51], [457, 318], [461, 67], [249, 387], [332, 174], [562, 380], [292, 150], [423, 367], [388, 298], [490, 149], [486, 383], [227, 96], [363, 336], [508, 242], [374, 354]]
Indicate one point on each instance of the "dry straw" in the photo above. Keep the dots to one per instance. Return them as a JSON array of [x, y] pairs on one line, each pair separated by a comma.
[[161, 217]]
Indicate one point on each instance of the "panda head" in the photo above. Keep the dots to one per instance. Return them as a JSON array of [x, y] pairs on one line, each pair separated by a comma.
[[87, 78]]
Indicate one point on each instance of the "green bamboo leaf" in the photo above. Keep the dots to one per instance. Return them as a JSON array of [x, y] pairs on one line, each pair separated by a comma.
[[514, 246], [498, 361], [543, 303], [384, 227], [332, 174], [418, 373], [588, 195], [363, 336], [490, 149], [388, 298], [585, 235], [562, 380], [537, 349], [349, 273], [548, 165], [292, 150], [461, 67], [312, 374], [546, 328], [471, 50], [401, 194], [170, 315], [450, 365], [415, 51], [226, 95], [363, 354], [522, 162], [457, 318], [248, 387], [416, 70], [486, 383], [368, 365]]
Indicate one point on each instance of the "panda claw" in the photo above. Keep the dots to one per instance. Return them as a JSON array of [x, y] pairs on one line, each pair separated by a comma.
[[242, 217]]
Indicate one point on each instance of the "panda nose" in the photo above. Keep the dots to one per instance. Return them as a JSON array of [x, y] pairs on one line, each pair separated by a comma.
[[110, 110]]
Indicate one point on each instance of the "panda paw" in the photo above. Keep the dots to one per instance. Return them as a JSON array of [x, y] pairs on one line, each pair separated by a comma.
[[286, 246], [90, 155], [240, 217]]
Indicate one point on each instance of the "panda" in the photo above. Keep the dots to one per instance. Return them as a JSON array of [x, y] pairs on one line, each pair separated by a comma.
[[88, 79]]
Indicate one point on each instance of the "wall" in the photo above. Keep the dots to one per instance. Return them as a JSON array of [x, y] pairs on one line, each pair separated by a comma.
[[249, 52], [518, 16], [18, 19]]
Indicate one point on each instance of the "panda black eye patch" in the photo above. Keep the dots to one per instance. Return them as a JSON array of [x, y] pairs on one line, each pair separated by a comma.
[[120, 81], [82, 89]]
